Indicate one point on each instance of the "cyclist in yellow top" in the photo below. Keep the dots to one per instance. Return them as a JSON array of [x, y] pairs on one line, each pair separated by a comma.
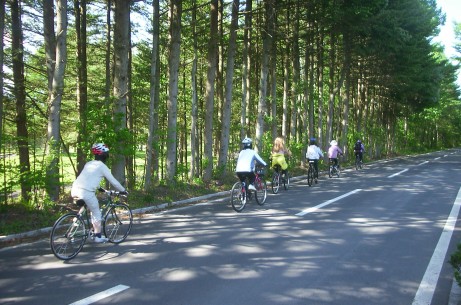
[[278, 154]]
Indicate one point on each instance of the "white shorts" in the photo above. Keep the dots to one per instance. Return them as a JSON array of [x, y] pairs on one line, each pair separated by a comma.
[[91, 202]]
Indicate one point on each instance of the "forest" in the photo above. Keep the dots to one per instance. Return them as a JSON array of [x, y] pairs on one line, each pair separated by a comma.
[[172, 87]]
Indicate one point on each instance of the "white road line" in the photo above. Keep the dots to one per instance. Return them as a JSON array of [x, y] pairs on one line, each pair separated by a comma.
[[427, 286], [102, 295], [313, 209], [423, 163], [396, 174]]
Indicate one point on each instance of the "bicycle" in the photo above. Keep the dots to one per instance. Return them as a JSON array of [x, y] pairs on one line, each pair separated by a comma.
[[70, 231], [278, 179], [333, 170], [358, 162], [240, 194], [311, 173]]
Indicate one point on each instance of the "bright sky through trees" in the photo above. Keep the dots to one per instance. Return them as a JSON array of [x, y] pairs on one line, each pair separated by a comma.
[[452, 10]]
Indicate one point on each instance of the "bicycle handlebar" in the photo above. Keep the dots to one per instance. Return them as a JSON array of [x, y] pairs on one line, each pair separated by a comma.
[[113, 193]]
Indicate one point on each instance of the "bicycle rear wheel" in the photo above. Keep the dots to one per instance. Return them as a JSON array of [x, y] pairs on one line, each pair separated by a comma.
[[118, 222], [68, 236], [286, 181], [238, 197], [310, 176], [357, 163], [330, 171], [275, 182], [261, 191]]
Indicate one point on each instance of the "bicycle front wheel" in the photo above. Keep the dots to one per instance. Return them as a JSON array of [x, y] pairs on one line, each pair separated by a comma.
[[238, 197], [261, 192], [118, 222], [68, 236], [275, 183]]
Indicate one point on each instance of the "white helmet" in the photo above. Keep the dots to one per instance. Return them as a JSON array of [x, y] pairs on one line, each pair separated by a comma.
[[333, 143], [99, 149], [247, 143]]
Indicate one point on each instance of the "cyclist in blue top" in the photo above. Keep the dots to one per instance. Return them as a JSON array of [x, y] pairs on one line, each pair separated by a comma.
[[246, 163]]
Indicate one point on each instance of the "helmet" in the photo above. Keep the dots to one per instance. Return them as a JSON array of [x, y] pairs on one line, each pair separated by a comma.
[[333, 143], [99, 149], [358, 141], [247, 143], [312, 141]]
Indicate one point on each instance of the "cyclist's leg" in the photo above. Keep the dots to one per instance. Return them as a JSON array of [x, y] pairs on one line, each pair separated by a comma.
[[316, 167], [242, 177]]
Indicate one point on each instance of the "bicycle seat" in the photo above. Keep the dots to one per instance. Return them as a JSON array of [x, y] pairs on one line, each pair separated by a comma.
[[80, 202]]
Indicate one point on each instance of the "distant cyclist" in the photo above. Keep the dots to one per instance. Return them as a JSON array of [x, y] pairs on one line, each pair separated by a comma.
[[246, 163], [279, 151], [359, 149], [314, 153], [334, 151]]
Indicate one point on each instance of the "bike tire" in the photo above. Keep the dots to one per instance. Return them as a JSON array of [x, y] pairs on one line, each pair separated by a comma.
[[68, 235], [338, 172], [330, 171], [261, 192], [238, 198], [286, 181], [118, 222], [310, 176], [357, 163], [275, 183]]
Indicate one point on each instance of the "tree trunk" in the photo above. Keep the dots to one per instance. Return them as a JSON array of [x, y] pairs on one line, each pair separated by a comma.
[[172, 103], [226, 117], [266, 52], [54, 116], [246, 69], [120, 90], [2, 33], [152, 138], [194, 103], [17, 50], [108, 60], [209, 94], [82, 84]]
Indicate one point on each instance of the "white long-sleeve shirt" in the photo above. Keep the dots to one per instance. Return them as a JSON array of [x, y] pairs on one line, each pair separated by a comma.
[[91, 176], [314, 152], [246, 160]]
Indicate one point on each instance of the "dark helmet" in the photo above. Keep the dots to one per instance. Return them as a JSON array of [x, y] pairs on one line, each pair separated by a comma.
[[100, 151], [359, 141], [312, 141], [247, 143]]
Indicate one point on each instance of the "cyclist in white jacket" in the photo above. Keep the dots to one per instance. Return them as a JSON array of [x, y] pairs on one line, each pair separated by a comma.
[[87, 183], [246, 163], [314, 153]]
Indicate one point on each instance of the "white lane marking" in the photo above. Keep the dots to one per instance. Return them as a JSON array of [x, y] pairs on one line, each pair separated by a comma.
[[422, 163], [102, 295], [437, 158], [427, 286], [396, 174], [313, 209]]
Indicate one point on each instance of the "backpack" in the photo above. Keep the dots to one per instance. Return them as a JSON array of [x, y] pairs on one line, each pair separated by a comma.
[[358, 147]]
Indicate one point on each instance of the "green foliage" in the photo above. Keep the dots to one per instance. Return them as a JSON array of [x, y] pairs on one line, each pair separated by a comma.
[[455, 261]]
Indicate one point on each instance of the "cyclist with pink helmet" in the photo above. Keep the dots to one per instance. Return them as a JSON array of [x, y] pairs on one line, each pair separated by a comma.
[[88, 182]]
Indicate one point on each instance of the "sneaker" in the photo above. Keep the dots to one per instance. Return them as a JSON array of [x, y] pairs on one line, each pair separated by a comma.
[[251, 187], [101, 239]]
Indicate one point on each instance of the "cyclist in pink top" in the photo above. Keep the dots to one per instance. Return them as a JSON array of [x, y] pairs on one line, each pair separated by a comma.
[[334, 151]]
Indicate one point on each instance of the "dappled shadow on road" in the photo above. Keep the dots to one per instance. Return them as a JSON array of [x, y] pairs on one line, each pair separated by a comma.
[[360, 251]]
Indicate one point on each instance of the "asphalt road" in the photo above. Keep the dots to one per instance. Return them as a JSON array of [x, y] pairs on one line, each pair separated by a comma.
[[382, 235]]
